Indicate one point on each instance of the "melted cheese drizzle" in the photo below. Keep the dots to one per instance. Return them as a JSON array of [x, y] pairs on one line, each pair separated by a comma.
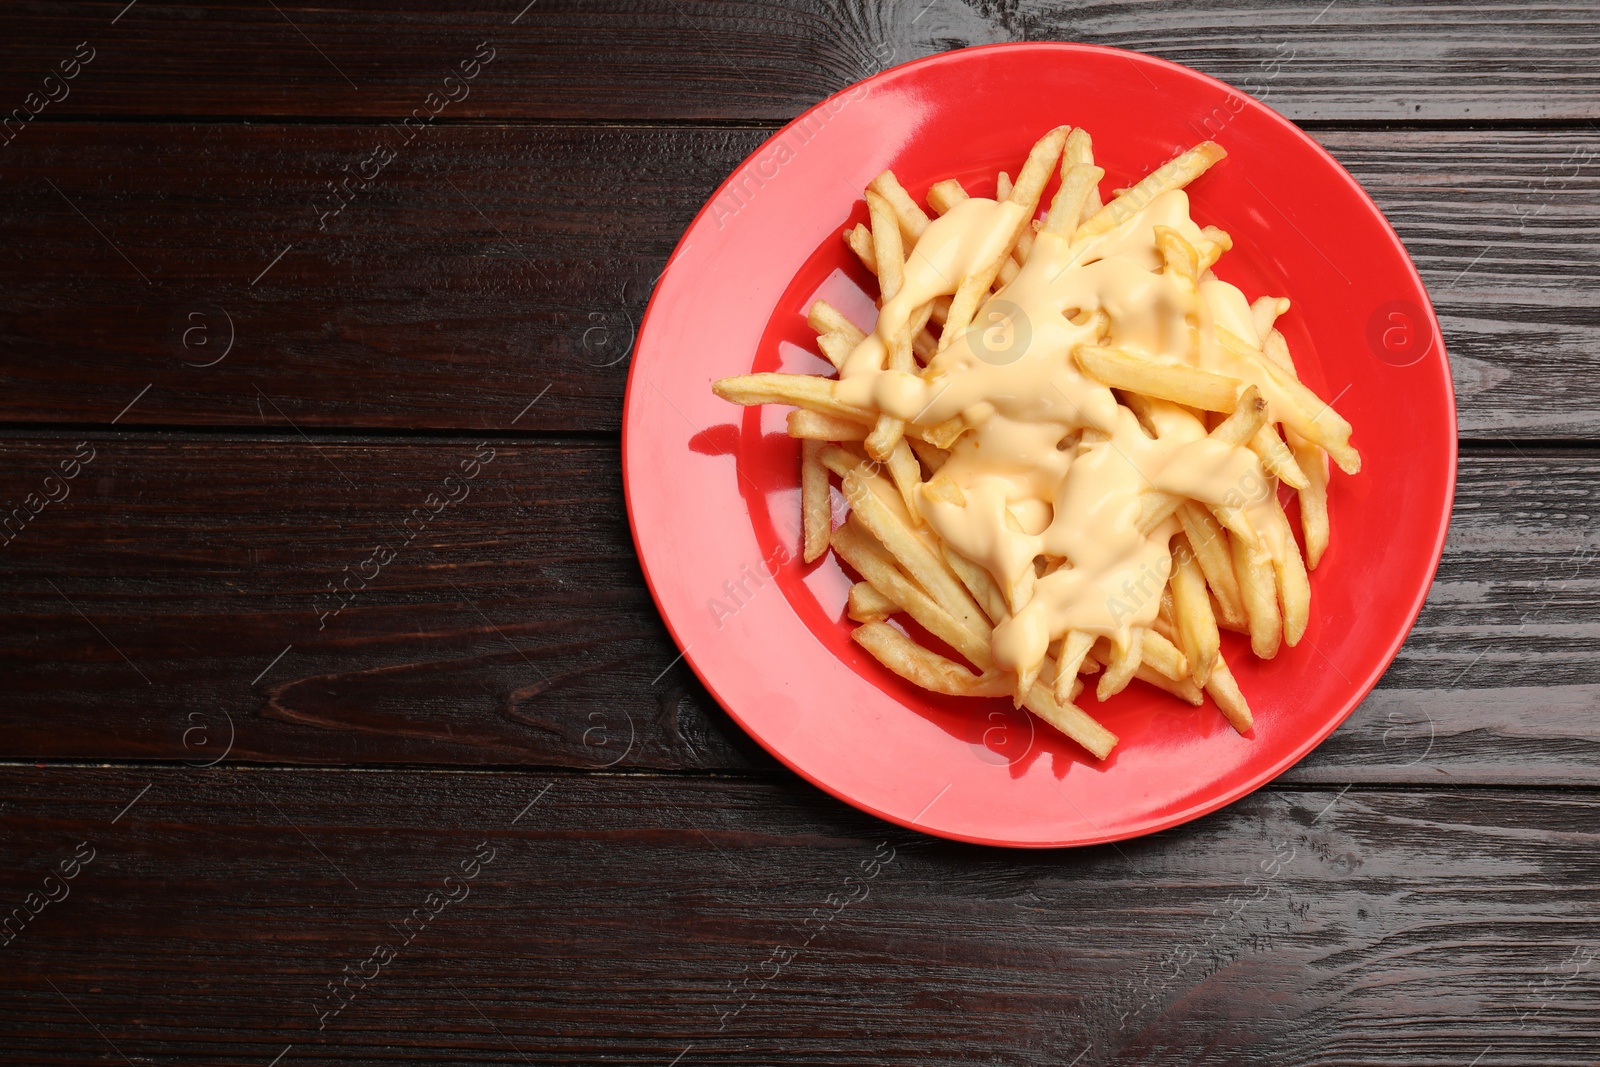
[[1052, 464]]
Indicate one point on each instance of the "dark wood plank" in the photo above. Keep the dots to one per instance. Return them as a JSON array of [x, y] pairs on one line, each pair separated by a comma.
[[490, 264], [515, 628], [637, 919], [690, 59]]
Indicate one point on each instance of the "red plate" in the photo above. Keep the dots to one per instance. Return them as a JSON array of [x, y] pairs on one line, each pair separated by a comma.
[[713, 490]]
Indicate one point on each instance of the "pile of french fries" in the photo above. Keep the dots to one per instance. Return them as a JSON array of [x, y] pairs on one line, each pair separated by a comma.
[[1225, 573]]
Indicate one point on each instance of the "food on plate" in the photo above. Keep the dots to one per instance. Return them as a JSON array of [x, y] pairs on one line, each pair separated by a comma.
[[1062, 443]]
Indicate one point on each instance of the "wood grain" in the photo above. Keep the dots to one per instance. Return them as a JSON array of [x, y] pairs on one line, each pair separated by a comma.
[[636, 919], [480, 271], [514, 628], [691, 59]]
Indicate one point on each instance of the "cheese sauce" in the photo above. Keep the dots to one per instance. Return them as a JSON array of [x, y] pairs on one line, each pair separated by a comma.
[[1051, 464]]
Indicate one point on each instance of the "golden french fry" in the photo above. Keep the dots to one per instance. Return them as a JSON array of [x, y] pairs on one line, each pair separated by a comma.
[[1191, 608], [798, 390], [1079, 152], [1258, 586], [1002, 186], [932, 456], [1266, 311], [887, 250], [866, 604], [810, 426], [1124, 662], [1305, 412], [1314, 501], [1156, 508], [1294, 588], [1074, 648], [816, 505], [1162, 656], [912, 219], [941, 434], [979, 584], [1184, 689], [855, 547], [885, 436], [1274, 347], [1026, 192], [1180, 384], [1276, 457], [1173, 175], [945, 195], [1225, 691], [1070, 719], [1245, 422], [1210, 545], [1310, 458], [859, 238], [1181, 257], [836, 347], [1071, 202], [927, 669], [906, 473], [911, 552], [825, 318]]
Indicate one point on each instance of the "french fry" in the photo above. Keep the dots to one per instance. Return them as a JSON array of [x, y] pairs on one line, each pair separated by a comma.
[[866, 604], [1276, 457], [1002, 186], [1225, 691], [1026, 192], [906, 473], [1266, 311], [1071, 202], [1162, 656], [1246, 420], [932, 456], [797, 390], [1294, 589], [1211, 550], [825, 318], [1070, 720], [859, 238], [816, 505], [1074, 648], [1080, 153], [1184, 689], [910, 552], [912, 219], [1311, 459], [1191, 608], [836, 347], [1181, 257], [979, 584], [1174, 175], [1180, 384], [1258, 586], [927, 669], [887, 250], [810, 426], [1305, 412], [1124, 662], [945, 195], [856, 549], [1314, 501]]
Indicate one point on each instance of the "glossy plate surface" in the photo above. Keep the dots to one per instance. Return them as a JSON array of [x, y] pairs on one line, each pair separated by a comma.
[[713, 490]]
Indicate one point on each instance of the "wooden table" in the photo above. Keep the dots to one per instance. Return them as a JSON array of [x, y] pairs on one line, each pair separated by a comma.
[[477, 815]]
